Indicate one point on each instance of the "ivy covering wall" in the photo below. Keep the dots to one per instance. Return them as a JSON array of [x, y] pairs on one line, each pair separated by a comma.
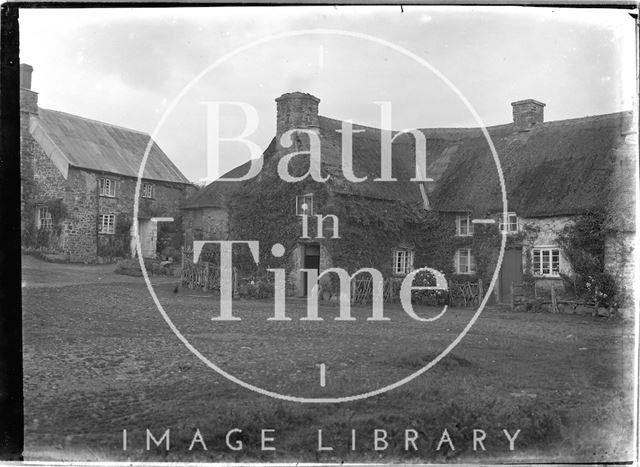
[[44, 239], [370, 229]]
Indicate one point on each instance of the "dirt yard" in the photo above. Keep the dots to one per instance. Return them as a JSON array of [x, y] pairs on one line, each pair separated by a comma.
[[99, 358]]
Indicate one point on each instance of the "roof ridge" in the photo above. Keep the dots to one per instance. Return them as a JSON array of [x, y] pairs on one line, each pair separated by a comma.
[[501, 126], [587, 118], [97, 121]]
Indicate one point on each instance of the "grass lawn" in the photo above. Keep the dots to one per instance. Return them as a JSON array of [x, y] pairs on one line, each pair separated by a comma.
[[99, 358]]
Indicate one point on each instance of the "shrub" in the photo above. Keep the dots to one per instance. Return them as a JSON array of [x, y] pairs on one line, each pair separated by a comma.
[[256, 289], [583, 243], [601, 289]]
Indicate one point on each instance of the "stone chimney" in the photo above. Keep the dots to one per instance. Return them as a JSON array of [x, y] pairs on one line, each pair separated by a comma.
[[527, 113], [296, 110], [28, 98]]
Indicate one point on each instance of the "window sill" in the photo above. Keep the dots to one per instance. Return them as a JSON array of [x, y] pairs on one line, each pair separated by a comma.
[[107, 196], [106, 233]]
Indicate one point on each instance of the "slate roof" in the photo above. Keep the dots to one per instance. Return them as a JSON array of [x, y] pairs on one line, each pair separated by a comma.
[[94, 145], [558, 168]]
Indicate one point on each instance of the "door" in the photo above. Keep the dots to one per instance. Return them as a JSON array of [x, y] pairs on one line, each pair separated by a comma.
[[510, 272], [147, 231], [311, 260]]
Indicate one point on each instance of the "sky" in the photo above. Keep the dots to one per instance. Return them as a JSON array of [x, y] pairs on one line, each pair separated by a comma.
[[154, 70]]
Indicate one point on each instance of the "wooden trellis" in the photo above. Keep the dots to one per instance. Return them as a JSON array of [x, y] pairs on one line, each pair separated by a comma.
[[362, 290], [203, 275], [465, 293]]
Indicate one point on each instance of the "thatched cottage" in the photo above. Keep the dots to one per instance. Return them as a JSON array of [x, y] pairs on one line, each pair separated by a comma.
[[379, 224], [553, 171], [78, 179]]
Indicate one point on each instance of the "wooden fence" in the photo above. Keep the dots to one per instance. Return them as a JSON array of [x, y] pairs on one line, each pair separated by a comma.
[[203, 275], [467, 294], [362, 290]]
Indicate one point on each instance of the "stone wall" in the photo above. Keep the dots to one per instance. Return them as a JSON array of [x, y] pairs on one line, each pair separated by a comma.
[[619, 261], [81, 200], [167, 200], [43, 183]]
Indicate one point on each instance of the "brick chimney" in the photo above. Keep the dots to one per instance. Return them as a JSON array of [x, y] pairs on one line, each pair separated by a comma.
[[28, 98], [296, 110], [527, 113]]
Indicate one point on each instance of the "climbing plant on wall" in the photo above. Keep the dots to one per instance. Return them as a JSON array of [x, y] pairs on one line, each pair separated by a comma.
[[33, 237], [369, 229], [583, 243]]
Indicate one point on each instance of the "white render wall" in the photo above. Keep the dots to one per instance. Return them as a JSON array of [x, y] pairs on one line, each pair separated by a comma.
[[543, 232]]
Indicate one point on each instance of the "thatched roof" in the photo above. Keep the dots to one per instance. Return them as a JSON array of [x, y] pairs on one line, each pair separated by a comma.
[[558, 168], [80, 142], [366, 162]]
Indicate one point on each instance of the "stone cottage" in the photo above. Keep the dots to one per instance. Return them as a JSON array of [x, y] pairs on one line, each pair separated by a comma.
[[78, 179], [553, 171]]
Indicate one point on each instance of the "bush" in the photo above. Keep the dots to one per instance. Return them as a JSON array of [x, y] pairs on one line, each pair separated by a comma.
[[602, 289], [429, 297], [256, 289], [583, 243]]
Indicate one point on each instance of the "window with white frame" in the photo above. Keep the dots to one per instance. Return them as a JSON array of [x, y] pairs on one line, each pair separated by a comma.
[[546, 261], [464, 226], [465, 262], [107, 224], [107, 187], [304, 205], [43, 218], [148, 190], [402, 261], [512, 223]]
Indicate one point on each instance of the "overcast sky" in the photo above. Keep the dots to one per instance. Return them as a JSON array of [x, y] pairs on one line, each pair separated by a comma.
[[126, 66]]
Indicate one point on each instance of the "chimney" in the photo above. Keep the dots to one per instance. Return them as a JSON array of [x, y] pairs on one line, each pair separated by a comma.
[[527, 113], [28, 98], [296, 110]]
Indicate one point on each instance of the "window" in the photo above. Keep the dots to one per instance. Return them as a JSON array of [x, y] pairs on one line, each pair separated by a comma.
[[546, 261], [464, 227], [107, 224], [512, 223], [43, 218], [107, 187], [304, 205], [465, 262], [402, 261], [148, 190]]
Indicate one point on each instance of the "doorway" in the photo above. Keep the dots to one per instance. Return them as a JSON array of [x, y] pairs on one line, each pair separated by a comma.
[[510, 273], [148, 230], [310, 260]]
